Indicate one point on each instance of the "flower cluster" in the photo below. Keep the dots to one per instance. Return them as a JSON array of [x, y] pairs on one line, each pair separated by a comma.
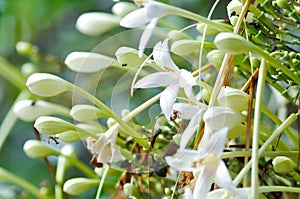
[[198, 119]]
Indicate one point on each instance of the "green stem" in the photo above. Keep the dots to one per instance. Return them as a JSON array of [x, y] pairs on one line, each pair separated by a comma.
[[12, 178], [106, 168], [264, 189], [123, 125], [83, 167], [10, 119], [289, 121], [272, 154], [256, 129], [12, 74]]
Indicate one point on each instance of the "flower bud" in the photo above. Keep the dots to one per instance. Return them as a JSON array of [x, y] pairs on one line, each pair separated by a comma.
[[110, 122], [121, 9], [185, 47], [129, 57], [215, 57], [237, 131], [68, 151], [96, 23], [283, 164], [30, 110], [47, 85], [233, 98], [77, 186], [26, 48], [85, 113], [87, 62], [37, 149], [209, 31], [69, 136], [28, 69], [52, 125], [218, 117], [131, 190], [232, 43], [234, 9]]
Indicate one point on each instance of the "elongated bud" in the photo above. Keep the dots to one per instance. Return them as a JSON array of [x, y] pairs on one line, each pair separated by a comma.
[[96, 23], [77, 186], [37, 149], [85, 113], [121, 9], [218, 117], [87, 62], [215, 57], [233, 98], [30, 110], [129, 57], [283, 164], [69, 136], [47, 85], [209, 31], [185, 47], [232, 43], [52, 125]]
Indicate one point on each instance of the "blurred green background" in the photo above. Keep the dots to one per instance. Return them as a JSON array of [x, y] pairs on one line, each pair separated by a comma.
[[50, 24]]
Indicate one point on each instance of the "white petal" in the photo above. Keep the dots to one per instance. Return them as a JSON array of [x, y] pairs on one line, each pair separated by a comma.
[[186, 111], [223, 178], [135, 19], [203, 182], [183, 160], [213, 142], [167, 99], [96, 23], [243, 193], [162, 56], [188, 194], [87, 62], [158, 79], [218, 117], [191, 129], [146, 36], [186, 79]]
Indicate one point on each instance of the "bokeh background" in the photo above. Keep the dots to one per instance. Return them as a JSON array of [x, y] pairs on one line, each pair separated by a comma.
[[50, 25]]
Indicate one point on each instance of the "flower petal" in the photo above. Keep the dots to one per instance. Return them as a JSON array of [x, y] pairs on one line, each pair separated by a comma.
[[183, 160], [135, 19], [204, 181], [167, 99], [158, 79], [186, 111], [162, 56], [223, 178], [146, 36], [186, 79]]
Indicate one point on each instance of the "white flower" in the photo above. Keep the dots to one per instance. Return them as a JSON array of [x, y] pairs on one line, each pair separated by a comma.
[[234, 8], [174, 78], [87, 62], [96, 23], [105, 147], [206, 165], [150, 13]]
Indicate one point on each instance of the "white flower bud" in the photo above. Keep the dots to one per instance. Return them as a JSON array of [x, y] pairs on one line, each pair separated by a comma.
[[69, 151], [121, 9], [85, 113], [96, 23], [209, 31], [218, 117], [232, 43], [52, 125], [69, 136], [37, 149], [77, 186], [283, 164], [215, 57], [26, 48], [233, 98], [234, 8], [129, 57], [30, 110], [87, 62], [47, 85], [28, 69], [185, 47]]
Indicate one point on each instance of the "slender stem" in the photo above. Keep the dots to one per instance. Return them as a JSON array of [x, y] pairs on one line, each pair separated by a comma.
[[263, 189], [271, 154], [10, 119], [83, 167], [12, 74], [256, 128], [106, 168], [289, 121]]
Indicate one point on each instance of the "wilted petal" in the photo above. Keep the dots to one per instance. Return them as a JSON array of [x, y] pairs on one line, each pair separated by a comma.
[[191, 129], [158, 79], [183, 160], [161, 56], [87, 62], [146, 36], [135, 19], [167, 100]]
